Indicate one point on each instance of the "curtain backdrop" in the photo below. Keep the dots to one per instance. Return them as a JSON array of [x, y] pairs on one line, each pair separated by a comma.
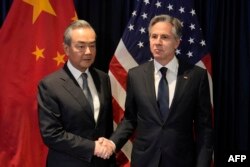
[[226, 28]]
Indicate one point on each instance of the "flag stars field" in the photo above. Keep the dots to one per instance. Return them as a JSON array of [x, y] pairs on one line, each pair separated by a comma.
[[42, 53], [140, 44], [192, 12], [39, 6], [38, 53], [59, 58]]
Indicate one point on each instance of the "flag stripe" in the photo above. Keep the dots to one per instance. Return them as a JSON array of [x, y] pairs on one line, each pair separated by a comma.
[[207, 62], [118, 91], [127, 61], [119, 112], [118, 72]]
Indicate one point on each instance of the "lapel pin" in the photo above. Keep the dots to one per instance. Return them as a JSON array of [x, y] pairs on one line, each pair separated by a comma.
[[185, 77]]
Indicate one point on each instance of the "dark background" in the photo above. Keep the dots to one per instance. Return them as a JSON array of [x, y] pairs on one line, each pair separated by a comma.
[[226, 28]]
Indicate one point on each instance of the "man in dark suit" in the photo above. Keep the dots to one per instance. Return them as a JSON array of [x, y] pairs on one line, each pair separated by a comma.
[[169, 112], [75, 104]]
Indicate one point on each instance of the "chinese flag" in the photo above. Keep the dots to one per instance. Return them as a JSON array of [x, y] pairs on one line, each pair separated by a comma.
[[30, 48]]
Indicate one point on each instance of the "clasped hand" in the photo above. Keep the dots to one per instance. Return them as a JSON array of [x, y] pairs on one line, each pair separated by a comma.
[[104, 148]]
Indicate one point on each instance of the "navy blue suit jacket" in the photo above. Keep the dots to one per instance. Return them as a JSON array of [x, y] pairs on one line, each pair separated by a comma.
[[170, 142]]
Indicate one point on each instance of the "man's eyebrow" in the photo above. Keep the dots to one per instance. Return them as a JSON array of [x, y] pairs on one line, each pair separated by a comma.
[[83, 42]]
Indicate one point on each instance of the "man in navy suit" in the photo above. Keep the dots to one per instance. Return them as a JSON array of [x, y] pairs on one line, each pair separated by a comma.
[[70, 120], [180, 134]]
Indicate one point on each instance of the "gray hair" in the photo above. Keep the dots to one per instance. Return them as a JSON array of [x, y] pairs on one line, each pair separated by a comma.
[[177, 27], [74, 25]]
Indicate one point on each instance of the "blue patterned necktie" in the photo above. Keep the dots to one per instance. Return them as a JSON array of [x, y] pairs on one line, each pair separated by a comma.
[[163, 94], [86, 90]]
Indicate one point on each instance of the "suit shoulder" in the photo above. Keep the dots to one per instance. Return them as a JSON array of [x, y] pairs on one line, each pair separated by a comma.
[[191, 67], [99, 72], [53, 76], [141, 67]]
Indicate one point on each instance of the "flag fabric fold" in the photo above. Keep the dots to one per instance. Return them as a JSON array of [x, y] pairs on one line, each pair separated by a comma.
[[133, 50], [31, 47]]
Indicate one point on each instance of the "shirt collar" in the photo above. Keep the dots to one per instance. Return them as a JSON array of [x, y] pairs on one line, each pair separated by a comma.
[[172, 65], [75, 72]]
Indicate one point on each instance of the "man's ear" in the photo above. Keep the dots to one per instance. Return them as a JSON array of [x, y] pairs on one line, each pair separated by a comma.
[[177, 43], [66, 48]]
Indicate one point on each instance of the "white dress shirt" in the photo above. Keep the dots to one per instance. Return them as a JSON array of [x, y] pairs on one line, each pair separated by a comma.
[[171, 77], [77, 75]]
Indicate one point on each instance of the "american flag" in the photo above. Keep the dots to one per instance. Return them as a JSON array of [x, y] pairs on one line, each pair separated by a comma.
[[133, 49]]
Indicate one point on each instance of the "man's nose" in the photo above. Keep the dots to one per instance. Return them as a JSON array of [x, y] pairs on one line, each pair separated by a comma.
[[159, 40], [87, 50]]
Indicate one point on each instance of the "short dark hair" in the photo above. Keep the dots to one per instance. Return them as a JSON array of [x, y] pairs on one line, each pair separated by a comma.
[[177, 27]]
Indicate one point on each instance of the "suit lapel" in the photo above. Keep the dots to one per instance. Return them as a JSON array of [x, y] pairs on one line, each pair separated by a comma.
[[71, 85], [181, 83], [150, 86]]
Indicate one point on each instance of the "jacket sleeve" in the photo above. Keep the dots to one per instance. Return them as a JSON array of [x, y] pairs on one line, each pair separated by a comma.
[[128, 123], [203, 124]]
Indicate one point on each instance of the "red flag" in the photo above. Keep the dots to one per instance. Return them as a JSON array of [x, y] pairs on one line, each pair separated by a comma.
[[31, 47], [133, 50]]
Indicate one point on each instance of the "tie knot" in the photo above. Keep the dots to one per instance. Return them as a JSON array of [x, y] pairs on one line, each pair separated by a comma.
[[85, 75], [163, 71]]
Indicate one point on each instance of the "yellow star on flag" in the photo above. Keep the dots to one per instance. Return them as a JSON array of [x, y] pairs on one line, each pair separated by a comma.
[[75, 17], [39, 6], [38, 53], [59, 58]]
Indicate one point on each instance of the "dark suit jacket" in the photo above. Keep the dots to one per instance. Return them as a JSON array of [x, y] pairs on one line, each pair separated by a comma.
[[170, 142], [67, 123]]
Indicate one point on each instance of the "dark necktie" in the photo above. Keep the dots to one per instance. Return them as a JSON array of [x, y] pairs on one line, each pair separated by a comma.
[[163, 93], [86, 90]]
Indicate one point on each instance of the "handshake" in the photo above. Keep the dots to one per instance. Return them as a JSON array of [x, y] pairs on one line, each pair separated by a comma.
[[104, 148]]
